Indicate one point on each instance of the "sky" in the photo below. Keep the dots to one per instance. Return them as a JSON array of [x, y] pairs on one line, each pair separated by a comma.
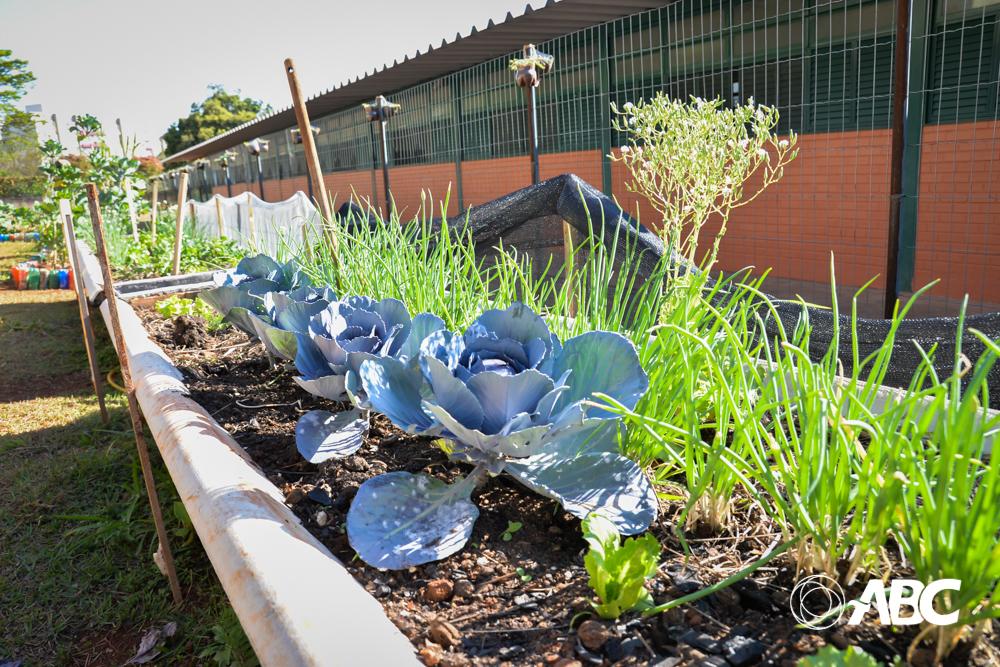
[[146, 62]]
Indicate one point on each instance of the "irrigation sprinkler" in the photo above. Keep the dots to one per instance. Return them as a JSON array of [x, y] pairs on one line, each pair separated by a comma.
[[382, 110], [202, 166], [224, 160], [530, 70], [256, 147]]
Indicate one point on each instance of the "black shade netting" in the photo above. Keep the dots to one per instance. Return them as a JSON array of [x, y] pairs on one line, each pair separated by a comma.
[[584, 208]]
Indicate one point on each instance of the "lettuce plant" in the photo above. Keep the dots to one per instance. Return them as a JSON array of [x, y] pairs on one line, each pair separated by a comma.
[[330, 351], [618, 572], [509, 397]]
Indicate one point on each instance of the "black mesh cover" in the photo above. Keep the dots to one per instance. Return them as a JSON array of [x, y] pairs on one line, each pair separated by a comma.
[[581, 206]]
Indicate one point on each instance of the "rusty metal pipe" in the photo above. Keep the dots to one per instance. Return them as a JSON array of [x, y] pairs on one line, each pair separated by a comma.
[[295, 600]]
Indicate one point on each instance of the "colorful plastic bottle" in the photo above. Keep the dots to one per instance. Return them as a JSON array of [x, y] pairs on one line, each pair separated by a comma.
[[43, 278], [63, 279], [69, 279], [33, 277], [54, 279]]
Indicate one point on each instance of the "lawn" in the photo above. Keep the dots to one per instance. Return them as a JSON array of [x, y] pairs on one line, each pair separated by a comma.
[[78, 585]]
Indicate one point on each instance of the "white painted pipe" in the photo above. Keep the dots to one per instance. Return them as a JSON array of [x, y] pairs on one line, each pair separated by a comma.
[[295, 600]]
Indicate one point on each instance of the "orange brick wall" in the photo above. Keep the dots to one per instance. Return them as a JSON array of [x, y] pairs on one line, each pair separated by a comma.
[[833, 197], [958, 223]]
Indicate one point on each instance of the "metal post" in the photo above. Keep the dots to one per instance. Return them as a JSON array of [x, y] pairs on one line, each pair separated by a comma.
[[900, 87], [133, 405], [260, 177], [533, 133], [389, 203], [229, 183]]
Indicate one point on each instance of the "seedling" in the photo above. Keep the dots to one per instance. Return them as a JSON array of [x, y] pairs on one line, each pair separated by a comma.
[[525, 577], [512, 527]]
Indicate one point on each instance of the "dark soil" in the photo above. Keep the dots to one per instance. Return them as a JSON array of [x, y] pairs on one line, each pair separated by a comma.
[[512, 601]]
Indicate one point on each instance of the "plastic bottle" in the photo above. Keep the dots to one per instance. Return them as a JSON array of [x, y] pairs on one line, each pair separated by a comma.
[[54, 279], [63, 279], [15, 273], [69, 279], [33, 277], [43, 278]]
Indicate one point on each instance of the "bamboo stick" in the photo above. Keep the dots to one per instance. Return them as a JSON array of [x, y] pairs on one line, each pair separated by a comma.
[[181, 197], [66, 213], [133, 406]]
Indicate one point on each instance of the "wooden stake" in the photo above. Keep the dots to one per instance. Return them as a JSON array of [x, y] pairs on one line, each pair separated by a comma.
[[156, 195], [218, 209], [133, 406], [131, 209], [66, 213], [253, 237], [312, 161], [182, 191]]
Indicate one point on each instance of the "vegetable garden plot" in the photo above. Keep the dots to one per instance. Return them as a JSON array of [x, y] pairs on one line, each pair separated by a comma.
[[502, 600]]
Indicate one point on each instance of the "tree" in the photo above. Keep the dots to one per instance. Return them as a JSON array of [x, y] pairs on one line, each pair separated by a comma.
[[14, 77], [220, 112], [19, 153]]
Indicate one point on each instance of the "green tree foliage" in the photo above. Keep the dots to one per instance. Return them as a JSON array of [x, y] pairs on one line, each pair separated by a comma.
[[14, 77], [19, 154], [220, 112]]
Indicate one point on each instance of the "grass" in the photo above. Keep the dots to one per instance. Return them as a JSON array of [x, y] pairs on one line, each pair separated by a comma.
[[77, 579]]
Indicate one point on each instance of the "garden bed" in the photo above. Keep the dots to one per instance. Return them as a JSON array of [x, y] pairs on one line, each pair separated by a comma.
[[512, 601]]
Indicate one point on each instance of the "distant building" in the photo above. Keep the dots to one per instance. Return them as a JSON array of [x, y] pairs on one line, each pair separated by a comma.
[[828, 67]]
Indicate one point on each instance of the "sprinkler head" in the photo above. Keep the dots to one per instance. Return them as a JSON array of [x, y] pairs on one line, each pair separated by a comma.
[[257, 146], [533, 66], [297, 134], [388, 109]]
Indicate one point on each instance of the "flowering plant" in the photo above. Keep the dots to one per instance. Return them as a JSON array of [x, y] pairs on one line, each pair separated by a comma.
[[693, 161]]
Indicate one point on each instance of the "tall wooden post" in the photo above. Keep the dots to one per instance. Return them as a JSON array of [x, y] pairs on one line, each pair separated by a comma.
[[133, 405], [156, 195], [312, 160], [182, 191], [131, 209], [218, 210], [253, 236]]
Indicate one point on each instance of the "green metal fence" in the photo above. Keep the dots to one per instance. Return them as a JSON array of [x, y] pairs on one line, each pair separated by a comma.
[[827, 67]]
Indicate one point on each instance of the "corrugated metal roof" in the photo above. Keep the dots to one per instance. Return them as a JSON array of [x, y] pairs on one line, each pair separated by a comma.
[[553, 20]]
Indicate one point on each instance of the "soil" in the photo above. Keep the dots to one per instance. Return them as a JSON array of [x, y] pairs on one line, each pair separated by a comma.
[[511, 598]]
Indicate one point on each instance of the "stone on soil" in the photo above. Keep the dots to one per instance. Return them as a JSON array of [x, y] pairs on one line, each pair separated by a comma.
[[593, 634], [439, 590]]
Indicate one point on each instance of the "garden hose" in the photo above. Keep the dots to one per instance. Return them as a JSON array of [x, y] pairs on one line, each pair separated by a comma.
[[115, 384]]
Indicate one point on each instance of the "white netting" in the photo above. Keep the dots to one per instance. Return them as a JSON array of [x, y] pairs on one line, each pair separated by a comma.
[[274, 223]]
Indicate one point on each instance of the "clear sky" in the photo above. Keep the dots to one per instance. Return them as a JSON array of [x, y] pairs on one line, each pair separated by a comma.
[[146, 62]]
